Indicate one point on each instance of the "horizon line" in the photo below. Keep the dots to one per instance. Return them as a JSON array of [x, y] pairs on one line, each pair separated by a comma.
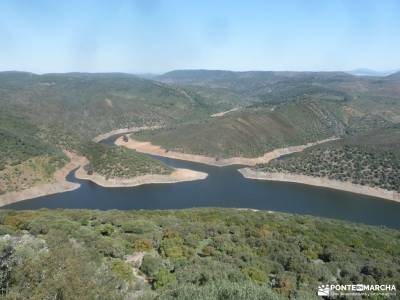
[[378, 72]]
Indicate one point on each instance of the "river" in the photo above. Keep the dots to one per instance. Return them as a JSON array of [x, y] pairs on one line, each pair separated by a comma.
[[224, 187]]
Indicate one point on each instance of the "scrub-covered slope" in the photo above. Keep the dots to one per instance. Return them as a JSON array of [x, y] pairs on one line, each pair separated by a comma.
[[273, 110], [43, 114], [26, 159], [378, 95], [278, 109], [248, 133], [372, 159], [91, 104], [188, 254]]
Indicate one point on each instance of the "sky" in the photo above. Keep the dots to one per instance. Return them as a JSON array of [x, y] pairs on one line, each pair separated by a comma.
[[156, 36]]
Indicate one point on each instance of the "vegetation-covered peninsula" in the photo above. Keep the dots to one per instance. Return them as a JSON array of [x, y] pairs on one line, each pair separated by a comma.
[[371, 160], [44, 115], [119, 162]]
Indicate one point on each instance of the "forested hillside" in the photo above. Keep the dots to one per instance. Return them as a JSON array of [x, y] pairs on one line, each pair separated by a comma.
[[119, 162], [273, 110], [91, 104], [188, 254], [248, 133], [26, 158], [372, 159], [278, 109], [376, 95], [43, 114]]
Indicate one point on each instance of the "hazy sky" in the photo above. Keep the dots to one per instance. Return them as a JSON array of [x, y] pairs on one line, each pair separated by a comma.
[[156, 36]]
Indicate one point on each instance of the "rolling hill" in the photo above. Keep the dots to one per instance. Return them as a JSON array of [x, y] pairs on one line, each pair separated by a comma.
[[247, 88], [248, 133], [277, 109], [94, 103], [43, 114], [272, 109]]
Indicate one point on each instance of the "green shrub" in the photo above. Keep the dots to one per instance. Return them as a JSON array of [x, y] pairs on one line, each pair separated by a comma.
[[163, 279], [151, 265]]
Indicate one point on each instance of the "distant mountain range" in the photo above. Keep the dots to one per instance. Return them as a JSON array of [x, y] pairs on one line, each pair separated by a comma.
[[201, 74], [369, 72]]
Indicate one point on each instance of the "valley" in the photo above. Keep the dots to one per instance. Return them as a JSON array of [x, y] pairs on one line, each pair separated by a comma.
[[199, 150], [165, 158], [282, 111]]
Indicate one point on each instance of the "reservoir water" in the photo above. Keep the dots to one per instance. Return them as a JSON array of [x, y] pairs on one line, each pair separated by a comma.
[[224, 187]]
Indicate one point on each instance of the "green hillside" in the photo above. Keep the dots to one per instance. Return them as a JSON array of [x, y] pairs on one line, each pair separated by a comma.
[[372, 159], [119, 162], [248, 133], [26, 158], [246, 88], [188, 254], [253, 131], [43, 114], [276, 109], [91, 104], [375, 95]]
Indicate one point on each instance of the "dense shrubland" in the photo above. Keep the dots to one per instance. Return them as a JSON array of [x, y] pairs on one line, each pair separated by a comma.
[[119, 162], [372, 160], [247, 134], [253, 131], [43, 114], [278, 109], [189, 254], [30, 156], [90, 104], [25, 157]]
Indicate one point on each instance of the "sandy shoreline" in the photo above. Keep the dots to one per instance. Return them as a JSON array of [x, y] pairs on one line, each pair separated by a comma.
[[178, 175], [149, 148], [59, 184], [322, 182]]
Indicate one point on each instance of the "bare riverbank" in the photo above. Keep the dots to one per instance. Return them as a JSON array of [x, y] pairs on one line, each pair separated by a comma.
[[177, 175], [149, 148], [58, 185], [322, 182]]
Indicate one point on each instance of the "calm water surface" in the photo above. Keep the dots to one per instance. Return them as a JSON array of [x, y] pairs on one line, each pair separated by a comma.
[[224, 187]]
